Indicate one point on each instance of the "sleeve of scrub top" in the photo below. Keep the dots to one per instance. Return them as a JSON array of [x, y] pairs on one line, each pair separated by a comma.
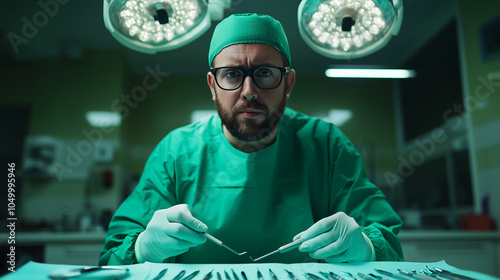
[[355, 195], [155, 191]]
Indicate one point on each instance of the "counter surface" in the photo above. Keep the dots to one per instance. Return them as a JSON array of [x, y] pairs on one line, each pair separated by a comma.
[[413, 235]]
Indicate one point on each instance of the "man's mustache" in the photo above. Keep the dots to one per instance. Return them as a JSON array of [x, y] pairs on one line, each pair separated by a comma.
[[254, 105]]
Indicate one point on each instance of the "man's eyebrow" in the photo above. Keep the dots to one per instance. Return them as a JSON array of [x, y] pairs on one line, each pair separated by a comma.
[[240, 65]]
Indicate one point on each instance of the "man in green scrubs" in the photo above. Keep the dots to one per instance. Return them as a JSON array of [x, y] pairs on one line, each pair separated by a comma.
[[257, 176]]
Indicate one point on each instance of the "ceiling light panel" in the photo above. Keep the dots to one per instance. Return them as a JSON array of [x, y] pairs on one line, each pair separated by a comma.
[[370, 73]]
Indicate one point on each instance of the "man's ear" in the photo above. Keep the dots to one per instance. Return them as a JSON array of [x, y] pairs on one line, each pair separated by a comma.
[[211, 84], [290, 81]]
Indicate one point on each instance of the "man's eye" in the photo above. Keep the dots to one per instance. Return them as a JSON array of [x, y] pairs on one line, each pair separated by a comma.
[[264, 73], [232, 73]]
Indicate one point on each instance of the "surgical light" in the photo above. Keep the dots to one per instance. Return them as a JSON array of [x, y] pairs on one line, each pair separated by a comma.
[[150, 26], [349, 28]]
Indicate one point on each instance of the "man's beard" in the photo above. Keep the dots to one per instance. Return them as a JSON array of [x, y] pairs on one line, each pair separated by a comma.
[[250, 130]]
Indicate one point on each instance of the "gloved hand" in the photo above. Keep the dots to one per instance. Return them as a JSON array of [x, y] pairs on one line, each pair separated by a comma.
[[170, 232], [337, 238]]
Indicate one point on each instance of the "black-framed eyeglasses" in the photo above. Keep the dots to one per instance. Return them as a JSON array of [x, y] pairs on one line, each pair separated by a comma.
[[264, 77]]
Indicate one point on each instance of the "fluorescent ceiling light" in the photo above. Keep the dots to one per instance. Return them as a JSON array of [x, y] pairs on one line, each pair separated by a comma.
[[370, 73], [349, 28], [197, 115], [338, 116], [103, 118]]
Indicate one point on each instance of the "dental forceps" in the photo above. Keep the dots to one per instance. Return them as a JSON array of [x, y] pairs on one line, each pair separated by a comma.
[[283, 249], [218, 242]]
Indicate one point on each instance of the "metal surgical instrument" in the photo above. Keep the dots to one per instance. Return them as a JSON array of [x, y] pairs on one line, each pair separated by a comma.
[[311, 276], [227, 275], [76, 272], [218, 242], [235, 276], [391, 274], [273, 276], [192, 275], [452, 274], [331, 276], [259, 275], [377, 277], [282, 249], [179, 276], [161, 274], [208, 276], [352, 276], [364, 276], [291, 275], [415, 275]]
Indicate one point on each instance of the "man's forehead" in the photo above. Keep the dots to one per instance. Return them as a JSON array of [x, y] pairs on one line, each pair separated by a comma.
[[249, 52]]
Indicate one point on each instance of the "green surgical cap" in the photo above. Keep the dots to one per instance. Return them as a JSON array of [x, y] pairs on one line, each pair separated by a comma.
[[248, 29]]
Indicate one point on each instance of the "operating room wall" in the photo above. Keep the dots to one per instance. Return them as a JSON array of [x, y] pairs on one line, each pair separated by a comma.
[[482, 98], [58, 93]]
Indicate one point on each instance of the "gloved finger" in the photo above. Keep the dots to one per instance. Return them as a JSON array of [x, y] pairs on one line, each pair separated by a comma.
[[157, 252], [352, 253], [172, 245], [336, 249], [298, 236], [180, 213], [320, 226], [319, 241], [321, 234], [181, 235], [159, 228], [162, 224], [346, 256]]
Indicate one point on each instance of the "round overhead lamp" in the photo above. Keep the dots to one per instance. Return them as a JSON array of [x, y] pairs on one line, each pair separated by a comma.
[[349, 28], [150, 26]]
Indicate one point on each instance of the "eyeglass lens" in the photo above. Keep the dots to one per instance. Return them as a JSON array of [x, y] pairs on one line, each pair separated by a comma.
[[265, 77]]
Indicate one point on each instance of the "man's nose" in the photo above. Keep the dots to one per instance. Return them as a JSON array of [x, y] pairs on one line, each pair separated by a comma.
[[248, 89]]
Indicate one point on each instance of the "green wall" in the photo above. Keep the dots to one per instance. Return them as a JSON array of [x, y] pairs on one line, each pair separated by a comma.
[[482, 96], [59, 92], [474, 14]]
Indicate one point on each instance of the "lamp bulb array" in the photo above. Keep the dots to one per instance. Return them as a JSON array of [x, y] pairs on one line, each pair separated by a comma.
[[138, 19], [345, 27]]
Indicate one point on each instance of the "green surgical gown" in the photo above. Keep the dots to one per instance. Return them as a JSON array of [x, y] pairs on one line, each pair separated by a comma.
[[254, 202]]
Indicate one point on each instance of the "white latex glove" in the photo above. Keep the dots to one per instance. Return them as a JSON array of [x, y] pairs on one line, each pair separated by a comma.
[[170, 232], [337, 238]]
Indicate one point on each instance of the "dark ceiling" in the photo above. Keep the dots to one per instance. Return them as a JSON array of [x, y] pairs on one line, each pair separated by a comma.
[[77, 25]]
